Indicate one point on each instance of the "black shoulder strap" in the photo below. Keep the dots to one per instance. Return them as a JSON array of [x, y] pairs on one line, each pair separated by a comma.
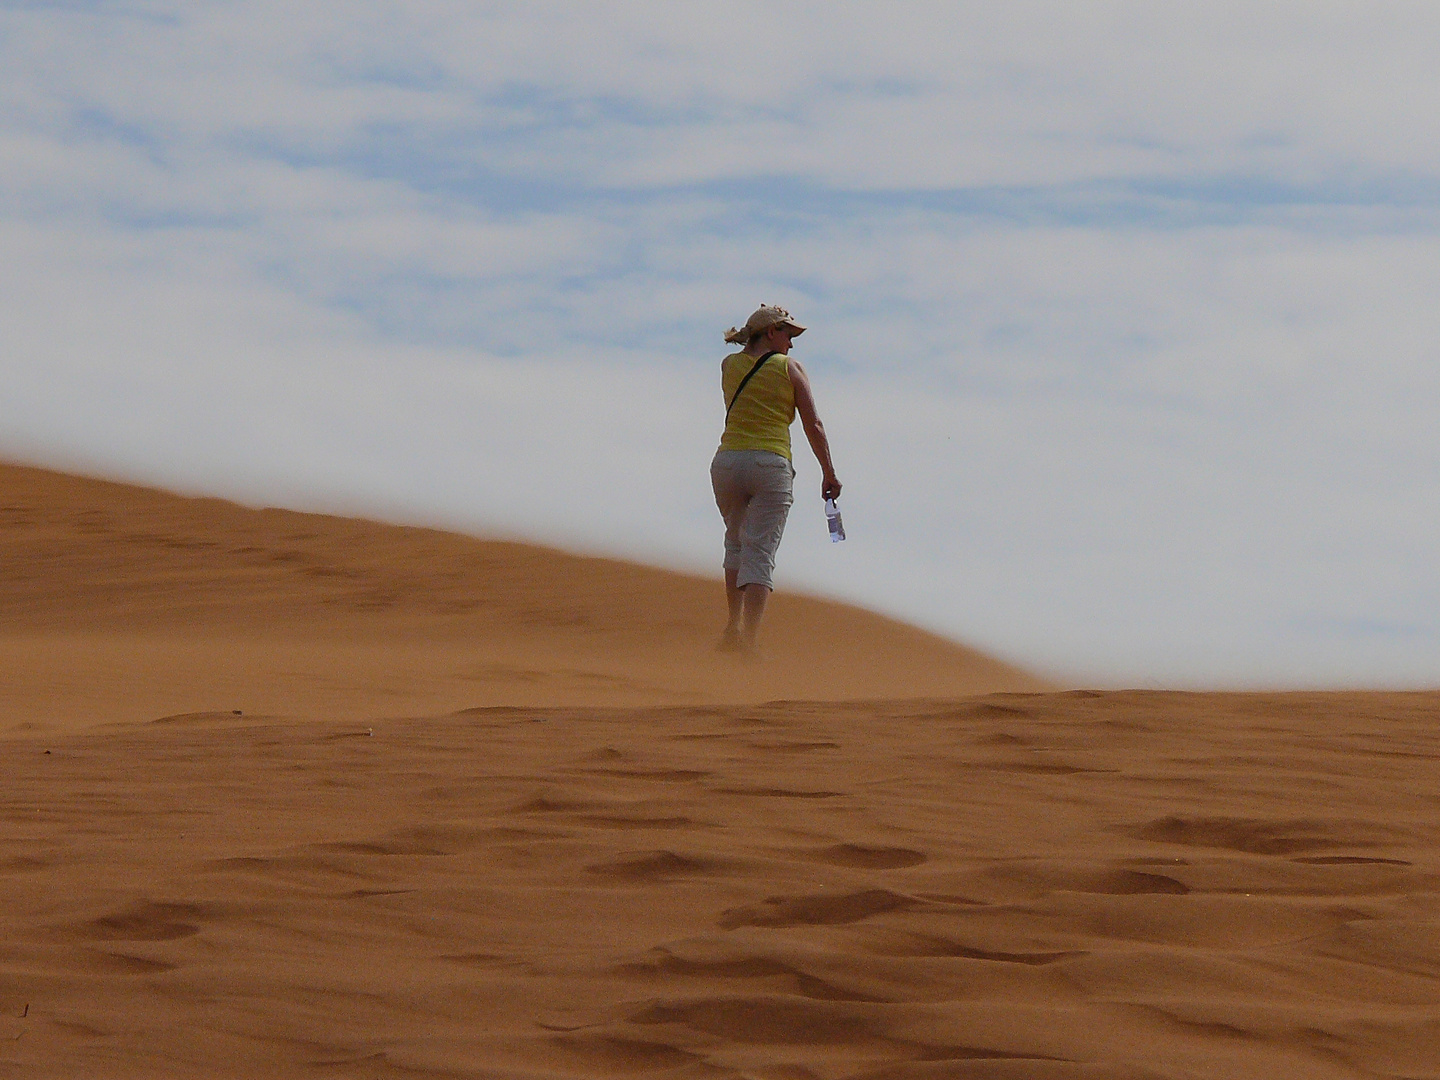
[[749, 375]]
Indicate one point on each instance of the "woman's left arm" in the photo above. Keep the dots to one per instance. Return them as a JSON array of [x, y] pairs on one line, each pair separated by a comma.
[[814, 429]]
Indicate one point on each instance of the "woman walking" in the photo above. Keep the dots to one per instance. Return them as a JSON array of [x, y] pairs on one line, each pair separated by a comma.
[[752, 473]]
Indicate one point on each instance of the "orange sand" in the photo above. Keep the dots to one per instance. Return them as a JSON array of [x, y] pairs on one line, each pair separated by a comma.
[[493, 811], [121, 603]]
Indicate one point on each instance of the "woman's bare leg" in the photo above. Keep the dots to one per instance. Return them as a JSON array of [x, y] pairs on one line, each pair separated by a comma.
[[747, 608], [753, 605], [735, 599]]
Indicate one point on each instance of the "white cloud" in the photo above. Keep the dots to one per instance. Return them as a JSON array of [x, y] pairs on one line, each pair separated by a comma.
[[902, 96]]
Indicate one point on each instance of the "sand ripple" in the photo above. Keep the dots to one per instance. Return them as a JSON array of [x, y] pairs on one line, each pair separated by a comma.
[[1192, 886]]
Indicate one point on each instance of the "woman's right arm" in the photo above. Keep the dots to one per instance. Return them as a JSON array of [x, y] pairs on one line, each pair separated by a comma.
[[814, 429]]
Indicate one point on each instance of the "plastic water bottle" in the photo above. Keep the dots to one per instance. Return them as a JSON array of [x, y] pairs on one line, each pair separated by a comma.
[[837, 527]]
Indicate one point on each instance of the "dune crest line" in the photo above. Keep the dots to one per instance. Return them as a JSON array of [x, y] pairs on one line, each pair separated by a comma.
[[123, 603]]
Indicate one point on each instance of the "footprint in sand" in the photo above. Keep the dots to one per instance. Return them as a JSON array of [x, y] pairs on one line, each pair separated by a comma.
[[146, 920], [1255, 836], [937, 946], [1047, 877], [548, 804], [655, 866], [821, 910]]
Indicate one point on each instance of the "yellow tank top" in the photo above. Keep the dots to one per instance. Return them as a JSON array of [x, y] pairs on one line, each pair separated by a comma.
[[765, 409]]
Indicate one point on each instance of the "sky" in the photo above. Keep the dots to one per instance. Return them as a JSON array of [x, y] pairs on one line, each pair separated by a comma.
[[1122, 315]]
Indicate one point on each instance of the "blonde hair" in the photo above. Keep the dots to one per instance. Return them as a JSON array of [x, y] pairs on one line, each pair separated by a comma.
[[766, 317]]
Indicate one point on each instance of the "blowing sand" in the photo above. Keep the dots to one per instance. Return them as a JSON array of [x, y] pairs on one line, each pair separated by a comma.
[[487, 810]]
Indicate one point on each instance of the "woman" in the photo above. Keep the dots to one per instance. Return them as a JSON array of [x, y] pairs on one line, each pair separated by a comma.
[[752, 472]]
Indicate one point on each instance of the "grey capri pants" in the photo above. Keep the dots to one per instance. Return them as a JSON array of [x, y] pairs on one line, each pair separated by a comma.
[[754, 490]]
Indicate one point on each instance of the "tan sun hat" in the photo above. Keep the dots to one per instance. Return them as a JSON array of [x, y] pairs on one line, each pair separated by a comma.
[[766, 316]]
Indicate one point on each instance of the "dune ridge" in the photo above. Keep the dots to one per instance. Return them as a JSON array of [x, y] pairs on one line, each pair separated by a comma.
[[120, 602]]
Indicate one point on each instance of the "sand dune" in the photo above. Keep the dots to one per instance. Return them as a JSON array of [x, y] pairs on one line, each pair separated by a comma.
[[948, 884], [123, 603]]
